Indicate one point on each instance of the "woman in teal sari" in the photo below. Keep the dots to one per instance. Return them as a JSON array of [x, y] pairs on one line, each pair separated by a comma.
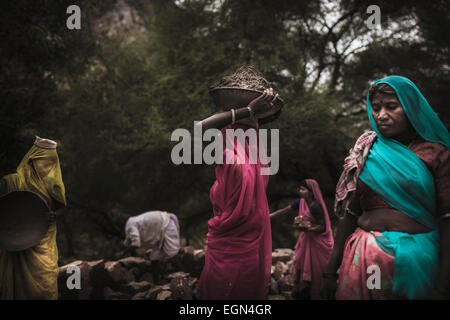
[[393, 201]]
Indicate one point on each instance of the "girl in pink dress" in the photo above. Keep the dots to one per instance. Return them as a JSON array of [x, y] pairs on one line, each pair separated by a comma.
[[314, 244]]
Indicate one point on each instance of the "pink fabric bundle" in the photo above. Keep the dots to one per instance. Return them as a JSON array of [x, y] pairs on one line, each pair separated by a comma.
[[312, 249], [239, 243]]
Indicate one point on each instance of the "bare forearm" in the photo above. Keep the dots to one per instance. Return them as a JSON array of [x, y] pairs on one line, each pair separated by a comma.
[[223, 119], [346, 227], [280, 212]]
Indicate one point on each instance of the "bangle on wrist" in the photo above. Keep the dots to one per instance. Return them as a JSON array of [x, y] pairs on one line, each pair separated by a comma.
[[444, 216], [329, 275], [233, 116], [252, 115]]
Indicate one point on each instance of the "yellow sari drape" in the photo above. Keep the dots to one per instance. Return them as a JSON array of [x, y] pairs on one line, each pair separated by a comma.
[[33, 273]]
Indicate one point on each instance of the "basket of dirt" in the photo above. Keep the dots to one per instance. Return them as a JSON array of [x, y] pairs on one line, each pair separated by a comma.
[[237, 90]]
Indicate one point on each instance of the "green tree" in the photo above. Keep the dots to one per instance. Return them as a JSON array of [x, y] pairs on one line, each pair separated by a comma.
[[112, 94]]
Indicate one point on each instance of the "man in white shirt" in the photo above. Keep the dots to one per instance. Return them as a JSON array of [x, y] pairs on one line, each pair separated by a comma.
[[156, 230]]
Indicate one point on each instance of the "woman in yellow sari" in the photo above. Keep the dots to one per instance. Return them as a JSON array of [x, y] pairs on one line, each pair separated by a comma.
[[33, 273]]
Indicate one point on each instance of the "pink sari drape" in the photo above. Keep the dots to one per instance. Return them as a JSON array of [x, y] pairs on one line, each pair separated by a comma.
[[312, 249], [362, 252], [239, 242]]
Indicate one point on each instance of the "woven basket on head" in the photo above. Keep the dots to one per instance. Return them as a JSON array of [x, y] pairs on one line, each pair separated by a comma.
[[239, 89]]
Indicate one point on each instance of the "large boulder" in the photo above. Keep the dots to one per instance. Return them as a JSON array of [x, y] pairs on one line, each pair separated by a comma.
[[180, 286], [273, 289], [282, 277], [285, 283], [147, 277], [109, 294], [139, 296], [191, 260], [135, 287], [137, 266], [283, 255], [164, 295], [135, 262], [76, 280], [113, 275], [153, 292], [280, 270]]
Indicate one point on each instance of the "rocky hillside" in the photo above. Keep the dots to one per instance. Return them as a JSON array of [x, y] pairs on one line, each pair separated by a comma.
[[132, 277]]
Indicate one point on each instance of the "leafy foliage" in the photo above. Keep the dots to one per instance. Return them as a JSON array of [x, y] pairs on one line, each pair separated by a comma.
[[112, 96]]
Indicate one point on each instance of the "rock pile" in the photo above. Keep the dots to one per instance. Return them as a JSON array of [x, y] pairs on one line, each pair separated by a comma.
[[133, 278], [281, 280]]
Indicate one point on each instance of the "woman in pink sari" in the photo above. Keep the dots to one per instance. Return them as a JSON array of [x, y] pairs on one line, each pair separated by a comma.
[[238, 257], [314, 245]]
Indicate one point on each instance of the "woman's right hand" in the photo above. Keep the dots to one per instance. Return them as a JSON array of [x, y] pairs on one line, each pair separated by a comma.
[[328, 289], [299, 227], [263, 103]]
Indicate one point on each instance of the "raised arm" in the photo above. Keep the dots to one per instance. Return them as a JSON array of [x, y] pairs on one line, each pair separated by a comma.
[[257, 106]]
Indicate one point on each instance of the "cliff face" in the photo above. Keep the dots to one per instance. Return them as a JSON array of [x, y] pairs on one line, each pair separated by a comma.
[[137, 278]]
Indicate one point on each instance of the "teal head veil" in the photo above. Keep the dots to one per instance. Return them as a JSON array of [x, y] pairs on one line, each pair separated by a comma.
[[404, 182], [417, 109]]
